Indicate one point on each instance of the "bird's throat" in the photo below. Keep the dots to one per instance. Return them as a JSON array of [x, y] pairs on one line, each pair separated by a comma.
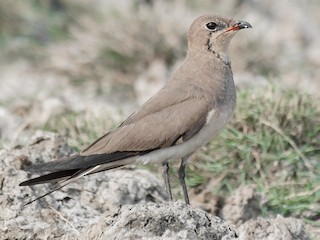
[[224, 57], [219, 50]]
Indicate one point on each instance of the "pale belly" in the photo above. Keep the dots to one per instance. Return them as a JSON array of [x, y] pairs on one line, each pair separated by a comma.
[[216, 120]]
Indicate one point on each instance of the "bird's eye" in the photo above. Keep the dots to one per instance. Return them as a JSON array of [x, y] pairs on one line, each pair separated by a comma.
[[211, 25]]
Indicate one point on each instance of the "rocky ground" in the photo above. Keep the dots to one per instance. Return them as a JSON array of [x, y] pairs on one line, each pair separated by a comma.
[[122, 204]]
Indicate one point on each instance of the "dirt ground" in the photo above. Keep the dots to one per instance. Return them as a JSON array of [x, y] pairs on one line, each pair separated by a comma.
[[123, 204]]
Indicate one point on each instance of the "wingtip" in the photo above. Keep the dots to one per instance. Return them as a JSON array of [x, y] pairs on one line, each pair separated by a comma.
[[30, 182], [22, 184], [50, 178], [27, 183]]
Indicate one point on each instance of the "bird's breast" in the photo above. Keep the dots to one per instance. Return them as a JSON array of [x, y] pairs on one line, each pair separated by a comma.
[[216, 120]]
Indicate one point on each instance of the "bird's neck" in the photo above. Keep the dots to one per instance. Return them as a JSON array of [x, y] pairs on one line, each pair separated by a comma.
[[208, 59], [222, 56], [211, 54], [219, 48], [214, 73]]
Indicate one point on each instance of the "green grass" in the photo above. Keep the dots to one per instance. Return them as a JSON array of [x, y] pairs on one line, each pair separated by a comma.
[[272, 142]]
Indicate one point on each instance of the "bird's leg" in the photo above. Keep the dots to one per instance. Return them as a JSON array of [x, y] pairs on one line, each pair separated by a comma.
[[182, 175], [165, 166]]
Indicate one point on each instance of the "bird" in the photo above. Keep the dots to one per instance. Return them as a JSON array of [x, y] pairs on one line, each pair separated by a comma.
[[188, 112]]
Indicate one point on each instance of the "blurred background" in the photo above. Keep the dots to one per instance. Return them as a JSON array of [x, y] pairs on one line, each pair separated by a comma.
[[79, 67], [97, 56]]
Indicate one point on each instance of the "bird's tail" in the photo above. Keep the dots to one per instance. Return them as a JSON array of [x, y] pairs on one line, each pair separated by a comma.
[[76, 162], [64, 176]]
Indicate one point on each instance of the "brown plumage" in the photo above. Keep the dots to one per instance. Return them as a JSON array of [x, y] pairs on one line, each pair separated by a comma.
[[185, 114]]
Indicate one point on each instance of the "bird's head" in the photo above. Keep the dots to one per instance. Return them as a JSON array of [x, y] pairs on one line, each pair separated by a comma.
[[213, 34]]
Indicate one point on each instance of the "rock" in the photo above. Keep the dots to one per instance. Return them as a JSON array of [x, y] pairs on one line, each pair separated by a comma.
[[206, 200], [120, 187], [172, 220], [313, 230], [269, 229], [43, 146], [32, 222], [132, 204], [68, 210], [242, 205]]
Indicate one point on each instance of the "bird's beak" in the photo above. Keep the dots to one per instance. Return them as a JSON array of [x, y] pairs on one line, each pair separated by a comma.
[[239, 25]]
